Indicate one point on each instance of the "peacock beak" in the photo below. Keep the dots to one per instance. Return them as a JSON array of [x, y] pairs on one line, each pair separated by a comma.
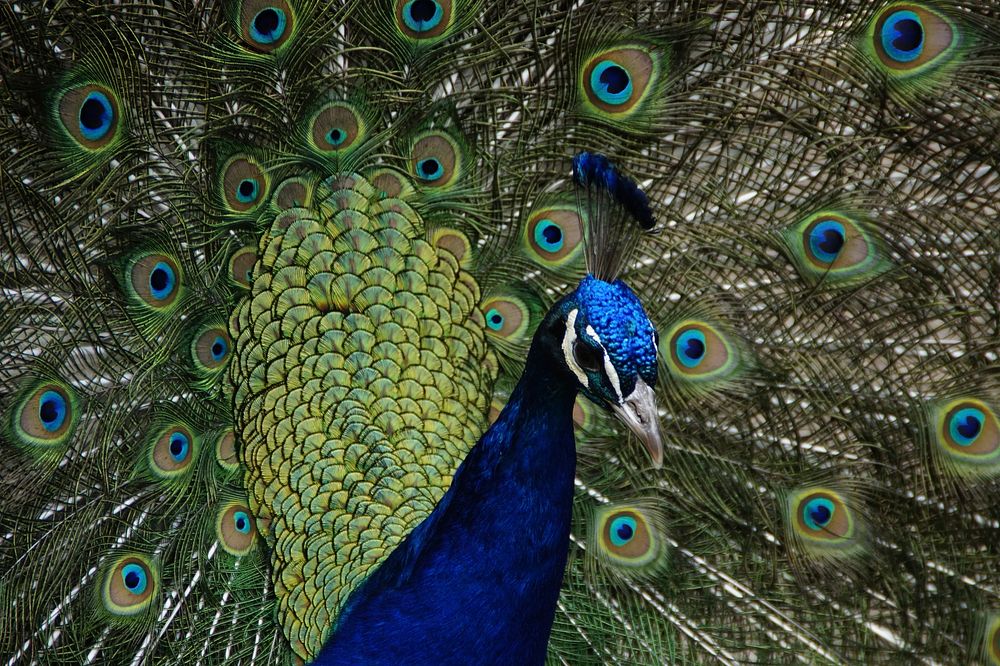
[[638, 412]]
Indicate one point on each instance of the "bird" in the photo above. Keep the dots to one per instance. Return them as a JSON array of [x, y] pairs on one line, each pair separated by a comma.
[[270, 269]]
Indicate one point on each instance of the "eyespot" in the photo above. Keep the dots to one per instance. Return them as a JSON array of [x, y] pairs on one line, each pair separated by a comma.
[[130, 585], [588, 358], [336, 128], [294, 193], [548, 235], [618, 82], [909, 38], [509, 318], [689, 347], [179, 447], [554, 235], [699, 351], [435, 160], [902, 36], [210, 350], [247, 190], [821, 515], [834, 248], [424, 19], [96, 117], [817, 513], [826, 239], [52, 410], [429, 168], [236, 528], [266, 25], [134, 578], [47, 416], [90, 114], [172, 452], [155, 280], [495, 319], [966, 425], [611, 83], [455, 242], [506, 317], [244, 184], [225, 451], [241, 266], [621, 530], [162, 280], [390, 183], [626, 536], [967, 438]]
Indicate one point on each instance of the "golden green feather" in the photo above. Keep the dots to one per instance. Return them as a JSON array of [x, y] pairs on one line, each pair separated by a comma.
[[360, 387]]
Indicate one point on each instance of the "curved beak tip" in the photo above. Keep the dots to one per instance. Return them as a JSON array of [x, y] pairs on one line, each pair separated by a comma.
[[638, 412]]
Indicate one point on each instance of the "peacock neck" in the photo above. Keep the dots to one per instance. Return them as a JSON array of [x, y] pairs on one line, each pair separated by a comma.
[[478, 580], [536, 423]]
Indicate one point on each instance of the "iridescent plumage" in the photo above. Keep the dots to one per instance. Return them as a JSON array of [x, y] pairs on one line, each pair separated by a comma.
[[270, 268]]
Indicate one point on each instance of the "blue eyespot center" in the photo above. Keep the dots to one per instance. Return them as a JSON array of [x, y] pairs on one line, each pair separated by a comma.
[[622, 530], [903, 36], [966, 425], [422, 15], [826, 241], [611, 82], [615, 79], [336, 136], [691, 348], [246, 191], [96, 116], [219, 348], [134, 577], [494, 319], [179, 446], [430, 169], [268, 25], [161, 281], [548, 235], [242, 522], [52, 410], [818, 513]]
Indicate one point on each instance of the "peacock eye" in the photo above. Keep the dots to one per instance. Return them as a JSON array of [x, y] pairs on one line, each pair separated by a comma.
[[424, 19], [265, 25], [587, 357]]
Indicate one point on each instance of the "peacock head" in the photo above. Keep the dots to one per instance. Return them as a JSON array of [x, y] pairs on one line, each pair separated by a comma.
[[603, 336]]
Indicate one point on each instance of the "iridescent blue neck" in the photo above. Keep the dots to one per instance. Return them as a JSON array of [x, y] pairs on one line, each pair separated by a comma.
[[477, 581]]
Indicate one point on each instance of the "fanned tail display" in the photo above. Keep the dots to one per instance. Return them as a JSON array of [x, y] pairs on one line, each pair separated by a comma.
[[269, 270]]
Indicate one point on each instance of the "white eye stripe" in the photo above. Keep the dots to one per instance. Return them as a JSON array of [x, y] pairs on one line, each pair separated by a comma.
[[569, 338], [609, 370]]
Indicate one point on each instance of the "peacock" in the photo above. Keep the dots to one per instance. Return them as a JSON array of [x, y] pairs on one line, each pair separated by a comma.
[[448, 331]]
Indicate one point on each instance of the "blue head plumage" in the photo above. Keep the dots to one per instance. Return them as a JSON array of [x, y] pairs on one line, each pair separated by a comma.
[[617, 322], [609, 344]]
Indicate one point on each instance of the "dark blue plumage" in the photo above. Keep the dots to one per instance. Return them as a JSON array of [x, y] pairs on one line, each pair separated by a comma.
[[477, 582], [596, 169]]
